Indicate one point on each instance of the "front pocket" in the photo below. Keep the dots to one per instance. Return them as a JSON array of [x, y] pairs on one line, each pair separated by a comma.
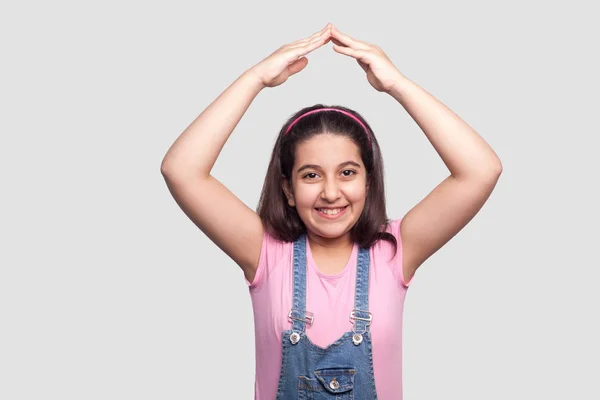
[[330, 383]]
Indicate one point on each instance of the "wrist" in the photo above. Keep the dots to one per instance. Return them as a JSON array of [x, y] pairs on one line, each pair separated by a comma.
[[401, 85], [253, 79]]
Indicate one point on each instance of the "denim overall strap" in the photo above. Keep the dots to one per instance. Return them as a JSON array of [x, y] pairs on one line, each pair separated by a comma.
[[344, 369], [298, 314], [361, 315]]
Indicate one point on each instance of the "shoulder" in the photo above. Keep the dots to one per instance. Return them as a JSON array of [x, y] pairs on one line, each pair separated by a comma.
[[384, 251], [273, 252], [383, 245], [394, 227]]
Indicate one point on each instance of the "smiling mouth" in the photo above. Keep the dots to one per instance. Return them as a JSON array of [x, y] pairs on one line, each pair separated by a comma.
[[331, 211]]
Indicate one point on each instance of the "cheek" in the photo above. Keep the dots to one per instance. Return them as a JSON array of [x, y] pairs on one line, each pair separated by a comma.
[[357, 193], [307, 196]]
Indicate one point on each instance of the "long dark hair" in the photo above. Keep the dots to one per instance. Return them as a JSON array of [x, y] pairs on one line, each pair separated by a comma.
[[283, 221]]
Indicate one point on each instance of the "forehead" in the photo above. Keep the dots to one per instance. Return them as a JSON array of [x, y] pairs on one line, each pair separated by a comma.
[[327, 150]]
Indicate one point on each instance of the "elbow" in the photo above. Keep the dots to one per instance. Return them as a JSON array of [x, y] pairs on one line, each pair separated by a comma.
[[165, 167], [173, 169], [485, 172], [492, 172], [496, 168], [170, 168], [492, 167]]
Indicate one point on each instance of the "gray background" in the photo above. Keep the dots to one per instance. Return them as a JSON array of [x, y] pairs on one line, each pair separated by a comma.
[[108, 291]]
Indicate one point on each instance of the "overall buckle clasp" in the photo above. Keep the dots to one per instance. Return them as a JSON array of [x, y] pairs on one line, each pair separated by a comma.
[[368, 319], [308, 317]]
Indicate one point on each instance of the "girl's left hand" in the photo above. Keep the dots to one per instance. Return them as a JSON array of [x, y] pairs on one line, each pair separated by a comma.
[[381, 73]]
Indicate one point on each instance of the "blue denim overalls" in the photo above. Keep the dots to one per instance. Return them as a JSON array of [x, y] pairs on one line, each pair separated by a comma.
[[343, 370]]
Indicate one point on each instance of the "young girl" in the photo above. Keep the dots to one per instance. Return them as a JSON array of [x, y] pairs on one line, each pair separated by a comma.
[[327, 271]]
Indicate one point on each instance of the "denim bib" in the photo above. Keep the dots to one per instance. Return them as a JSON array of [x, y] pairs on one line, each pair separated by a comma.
[[344, 369]]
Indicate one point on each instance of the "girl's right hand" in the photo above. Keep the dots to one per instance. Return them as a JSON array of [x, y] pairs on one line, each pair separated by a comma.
[[288, 59]]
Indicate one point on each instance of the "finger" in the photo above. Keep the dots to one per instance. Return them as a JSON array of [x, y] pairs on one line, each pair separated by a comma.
[[313, 43], [335, 41], [357, 54], [347, 40], [319, 33], [308, 47], [324, 33], [313, 36]]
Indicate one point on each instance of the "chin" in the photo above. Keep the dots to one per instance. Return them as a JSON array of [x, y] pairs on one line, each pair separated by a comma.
[[330, 233], [330, 230]]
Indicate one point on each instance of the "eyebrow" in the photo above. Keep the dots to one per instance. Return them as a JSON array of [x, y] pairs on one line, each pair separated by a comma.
[[307, 166]]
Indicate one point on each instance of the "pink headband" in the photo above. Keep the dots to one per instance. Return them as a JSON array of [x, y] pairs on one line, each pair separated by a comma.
[[331, 109]]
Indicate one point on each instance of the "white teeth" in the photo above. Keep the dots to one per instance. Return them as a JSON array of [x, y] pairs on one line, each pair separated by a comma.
[[330, 211]]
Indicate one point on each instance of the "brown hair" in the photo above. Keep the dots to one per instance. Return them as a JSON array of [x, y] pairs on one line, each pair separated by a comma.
[[281, 220]]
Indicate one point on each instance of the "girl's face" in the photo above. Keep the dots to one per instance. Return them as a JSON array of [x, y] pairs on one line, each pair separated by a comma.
[[328, 185]]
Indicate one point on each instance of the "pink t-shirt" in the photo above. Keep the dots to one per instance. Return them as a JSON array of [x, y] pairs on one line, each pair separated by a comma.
[[331, 299]]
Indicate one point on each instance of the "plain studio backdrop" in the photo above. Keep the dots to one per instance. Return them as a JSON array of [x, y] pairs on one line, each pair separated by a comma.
[[108, 291]]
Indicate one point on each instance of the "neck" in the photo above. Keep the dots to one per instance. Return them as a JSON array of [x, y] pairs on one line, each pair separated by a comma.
[[342, 243]]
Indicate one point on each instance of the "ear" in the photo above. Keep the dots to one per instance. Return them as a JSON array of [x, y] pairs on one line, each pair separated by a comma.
[[285, 185]]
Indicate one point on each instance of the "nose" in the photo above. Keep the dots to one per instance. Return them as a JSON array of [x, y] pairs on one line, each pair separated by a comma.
[[331, 191]]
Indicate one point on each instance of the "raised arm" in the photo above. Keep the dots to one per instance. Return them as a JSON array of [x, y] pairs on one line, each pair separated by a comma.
[[225, 219], [474, 171], [474, 166]]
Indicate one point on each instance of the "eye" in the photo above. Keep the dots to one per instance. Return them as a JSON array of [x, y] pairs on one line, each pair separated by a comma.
[[351, 172], [310, 175]]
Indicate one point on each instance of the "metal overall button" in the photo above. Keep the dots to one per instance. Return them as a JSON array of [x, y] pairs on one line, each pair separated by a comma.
[[294, 338], [334, 384], [357, 339]]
